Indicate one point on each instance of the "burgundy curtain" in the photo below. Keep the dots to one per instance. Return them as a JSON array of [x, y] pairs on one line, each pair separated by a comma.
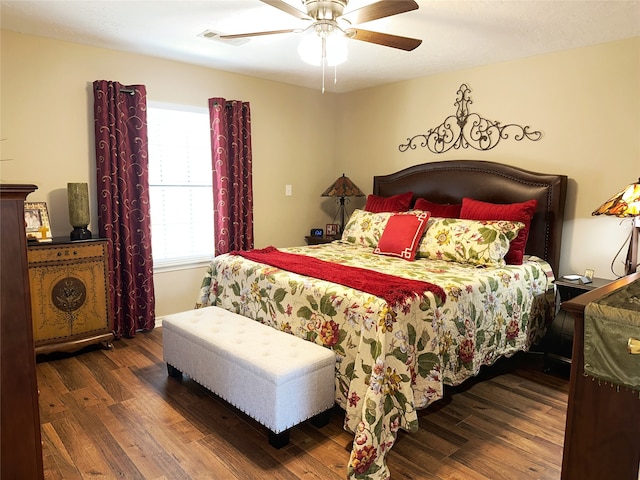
[[232, 175], [120, 114]]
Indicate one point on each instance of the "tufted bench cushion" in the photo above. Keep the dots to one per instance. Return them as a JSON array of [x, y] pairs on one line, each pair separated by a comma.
[[274, 377]]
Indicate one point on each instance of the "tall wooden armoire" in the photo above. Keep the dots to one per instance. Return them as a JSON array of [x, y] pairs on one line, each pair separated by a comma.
[[20, 439]]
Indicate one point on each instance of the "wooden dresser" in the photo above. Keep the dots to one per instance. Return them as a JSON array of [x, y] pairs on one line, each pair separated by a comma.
[[602, 436], [69, 294], [20, 439]]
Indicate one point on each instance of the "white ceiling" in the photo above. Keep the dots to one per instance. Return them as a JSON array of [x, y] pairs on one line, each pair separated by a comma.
[[456, 34]]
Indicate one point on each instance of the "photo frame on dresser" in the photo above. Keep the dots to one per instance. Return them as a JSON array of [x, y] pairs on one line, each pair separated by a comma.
[[331, 229], [36, 221]]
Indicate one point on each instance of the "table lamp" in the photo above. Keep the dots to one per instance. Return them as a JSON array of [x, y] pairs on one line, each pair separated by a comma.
[[626, 203], [342, 188]]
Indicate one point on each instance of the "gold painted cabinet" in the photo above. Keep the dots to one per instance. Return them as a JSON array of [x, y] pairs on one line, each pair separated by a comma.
[[69, 295]]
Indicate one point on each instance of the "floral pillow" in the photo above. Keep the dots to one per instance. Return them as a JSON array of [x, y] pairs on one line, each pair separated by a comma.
[[478, 242], [515, 212], [365, 228]]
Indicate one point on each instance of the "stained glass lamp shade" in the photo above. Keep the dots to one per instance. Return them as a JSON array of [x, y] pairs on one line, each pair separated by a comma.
[[343, 187], [626, 203]]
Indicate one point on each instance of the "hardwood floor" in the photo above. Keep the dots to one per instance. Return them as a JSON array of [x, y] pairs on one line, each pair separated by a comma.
[[116, 414]]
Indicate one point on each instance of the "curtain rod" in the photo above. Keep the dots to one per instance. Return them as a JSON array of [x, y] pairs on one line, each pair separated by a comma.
[[130, 91]]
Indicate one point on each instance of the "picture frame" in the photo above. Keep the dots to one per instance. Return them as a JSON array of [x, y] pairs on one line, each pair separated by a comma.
[[588, 273], [331, 229], [36, 221]]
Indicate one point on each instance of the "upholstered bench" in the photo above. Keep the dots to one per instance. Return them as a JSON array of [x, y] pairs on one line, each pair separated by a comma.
[[274, 377]]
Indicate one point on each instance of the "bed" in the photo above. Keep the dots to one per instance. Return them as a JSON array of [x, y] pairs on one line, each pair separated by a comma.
[[395, 357]]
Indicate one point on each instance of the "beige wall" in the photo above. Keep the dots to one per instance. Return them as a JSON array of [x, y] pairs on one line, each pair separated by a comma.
[[586, 101], [47, 121]]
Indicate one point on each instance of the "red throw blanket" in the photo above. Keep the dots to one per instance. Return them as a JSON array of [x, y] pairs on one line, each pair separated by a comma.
[[389, 287]]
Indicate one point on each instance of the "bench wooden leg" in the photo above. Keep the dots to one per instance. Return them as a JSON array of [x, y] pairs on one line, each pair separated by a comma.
[[321, 419], [278, 440], [173, 371]]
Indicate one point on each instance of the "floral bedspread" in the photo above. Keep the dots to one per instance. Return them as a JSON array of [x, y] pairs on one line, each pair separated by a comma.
[[391, 362]]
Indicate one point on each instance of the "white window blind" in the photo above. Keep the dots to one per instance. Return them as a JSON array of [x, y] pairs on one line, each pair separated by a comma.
[[180, 186]]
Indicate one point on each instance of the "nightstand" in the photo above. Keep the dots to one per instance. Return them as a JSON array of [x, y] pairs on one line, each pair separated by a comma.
[[311, 240], [558, 341]]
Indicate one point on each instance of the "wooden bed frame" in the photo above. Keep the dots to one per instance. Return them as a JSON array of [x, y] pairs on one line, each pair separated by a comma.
[[450, 181]]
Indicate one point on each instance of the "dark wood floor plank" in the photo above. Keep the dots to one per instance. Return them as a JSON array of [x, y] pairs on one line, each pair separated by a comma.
[[434, 439], [450, 469], [533, 418], [148, 447], [117, 414], [326, 445], [58, 463], [533, 449], [498, 461], [52, 389], [535, 439], [550, 389], [80, 445], [72, 373], [114, 455], [153, 429], [245, 455], [133, 356], [102, 369]]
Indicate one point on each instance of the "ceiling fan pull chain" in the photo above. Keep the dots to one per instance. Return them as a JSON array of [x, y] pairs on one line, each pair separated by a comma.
[[323, 75], [323, 60]]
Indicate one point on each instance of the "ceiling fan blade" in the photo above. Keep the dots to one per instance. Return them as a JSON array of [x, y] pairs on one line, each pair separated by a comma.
[[381, 9], [257, 34], [394, 41], [285, 7]]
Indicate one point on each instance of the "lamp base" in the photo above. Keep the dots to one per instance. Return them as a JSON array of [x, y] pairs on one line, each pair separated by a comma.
[[631, 263], [80, 233]]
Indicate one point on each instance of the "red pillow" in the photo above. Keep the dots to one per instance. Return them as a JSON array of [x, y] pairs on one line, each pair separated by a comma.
[[443, 210], [395, 203], [402, 235], [512, 212]]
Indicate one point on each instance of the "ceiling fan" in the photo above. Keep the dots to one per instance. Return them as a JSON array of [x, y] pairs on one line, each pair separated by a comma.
[[327, 18]]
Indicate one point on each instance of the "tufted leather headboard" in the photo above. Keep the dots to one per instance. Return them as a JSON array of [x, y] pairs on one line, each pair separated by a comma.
[[450, 181]]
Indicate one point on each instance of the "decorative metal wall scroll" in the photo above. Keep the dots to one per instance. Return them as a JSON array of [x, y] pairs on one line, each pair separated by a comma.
[[466, 130]]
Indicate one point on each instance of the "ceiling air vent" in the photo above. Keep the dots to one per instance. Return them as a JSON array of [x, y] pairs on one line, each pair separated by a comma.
[[215, 36]]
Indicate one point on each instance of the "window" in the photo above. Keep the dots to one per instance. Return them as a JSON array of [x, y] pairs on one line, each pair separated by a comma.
[[180, 186]]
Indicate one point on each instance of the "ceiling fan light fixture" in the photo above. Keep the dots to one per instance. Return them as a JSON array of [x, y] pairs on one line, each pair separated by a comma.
[[328, 46], [325, 9], [325, 40]]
